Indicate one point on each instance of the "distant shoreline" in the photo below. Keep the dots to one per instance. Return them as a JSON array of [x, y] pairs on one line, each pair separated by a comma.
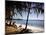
[[23, 19]]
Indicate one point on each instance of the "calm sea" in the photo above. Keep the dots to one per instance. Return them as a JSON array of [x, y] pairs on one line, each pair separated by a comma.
[[36, 23]]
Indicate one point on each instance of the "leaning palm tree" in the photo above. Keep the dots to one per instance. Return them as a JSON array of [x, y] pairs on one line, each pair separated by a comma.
[[19, 9], [29, 7], [27, 18]]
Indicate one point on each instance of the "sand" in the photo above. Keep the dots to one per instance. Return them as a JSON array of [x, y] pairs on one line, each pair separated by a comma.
[[34, 29]]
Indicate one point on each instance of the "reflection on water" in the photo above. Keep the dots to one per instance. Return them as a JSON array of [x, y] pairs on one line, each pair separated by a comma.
[[36, 23]]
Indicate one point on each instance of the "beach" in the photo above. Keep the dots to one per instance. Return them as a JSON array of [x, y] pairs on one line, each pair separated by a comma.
[[34, 29]]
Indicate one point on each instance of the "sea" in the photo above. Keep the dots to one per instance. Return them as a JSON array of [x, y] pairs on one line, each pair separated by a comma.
[[35, 23]]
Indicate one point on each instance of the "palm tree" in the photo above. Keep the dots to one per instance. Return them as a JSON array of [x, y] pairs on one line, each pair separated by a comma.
[[27, 18], [19, 9], [28, 6]]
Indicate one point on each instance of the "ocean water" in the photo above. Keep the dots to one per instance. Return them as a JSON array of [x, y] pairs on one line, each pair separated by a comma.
[[36, 23]]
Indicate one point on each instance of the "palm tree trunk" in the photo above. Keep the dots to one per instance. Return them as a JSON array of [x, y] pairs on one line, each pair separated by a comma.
[[27, 18]]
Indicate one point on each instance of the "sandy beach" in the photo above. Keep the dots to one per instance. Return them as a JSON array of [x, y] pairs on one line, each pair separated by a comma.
[[34, 29]]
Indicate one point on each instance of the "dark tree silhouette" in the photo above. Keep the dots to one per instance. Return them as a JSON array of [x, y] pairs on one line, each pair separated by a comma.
[[27, 18]]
